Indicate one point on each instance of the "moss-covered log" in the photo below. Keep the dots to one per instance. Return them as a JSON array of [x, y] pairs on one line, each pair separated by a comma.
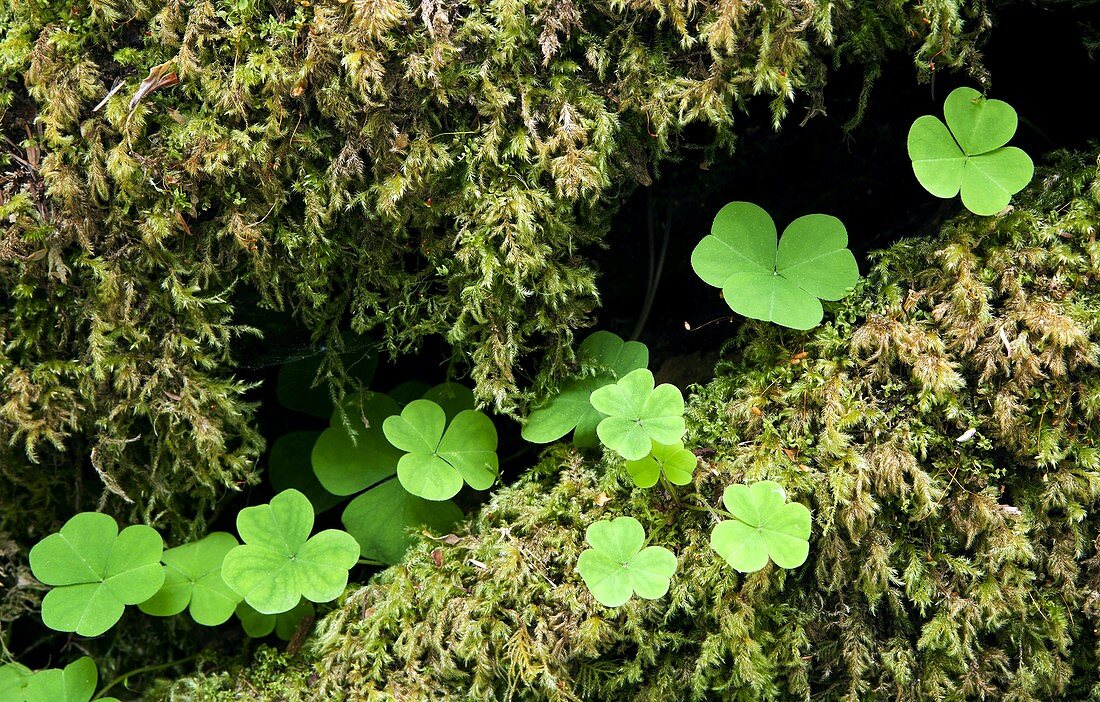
[[944, 564]]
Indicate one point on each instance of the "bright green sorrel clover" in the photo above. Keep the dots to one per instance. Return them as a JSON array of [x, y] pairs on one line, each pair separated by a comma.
[[381, 518], [764, 526], [570, 409], [439, 457], [617, 566], [280, 563], [193, 581], [781, 282], [638, 414], [96, 571], [13, 680], [284, 624], [75, 683], [968, 154], [676, 462]]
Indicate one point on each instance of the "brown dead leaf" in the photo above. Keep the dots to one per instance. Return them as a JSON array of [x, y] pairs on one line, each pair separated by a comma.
[[437, 557], [160, 76]]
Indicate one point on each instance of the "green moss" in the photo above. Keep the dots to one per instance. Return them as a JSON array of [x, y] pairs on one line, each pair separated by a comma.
[[414, 170], [939, 569]]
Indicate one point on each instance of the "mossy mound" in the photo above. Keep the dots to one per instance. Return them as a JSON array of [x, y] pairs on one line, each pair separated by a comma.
[[414, 169], [945, 563]]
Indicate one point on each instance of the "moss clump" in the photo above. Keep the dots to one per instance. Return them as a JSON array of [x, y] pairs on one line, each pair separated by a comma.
[[415, 169], [939, 569]]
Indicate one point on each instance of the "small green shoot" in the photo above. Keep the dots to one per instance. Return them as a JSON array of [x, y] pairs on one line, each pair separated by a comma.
[[764, 526], [571, 410], [968, 154], [75, 683], [439, 457], [673, 460], [284, 624], [279, 562], [96, 571], [193, 581], [638, 414], [776, 281], [617, 566]]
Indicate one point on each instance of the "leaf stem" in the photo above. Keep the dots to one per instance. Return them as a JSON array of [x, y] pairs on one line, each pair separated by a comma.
[[140, 671]]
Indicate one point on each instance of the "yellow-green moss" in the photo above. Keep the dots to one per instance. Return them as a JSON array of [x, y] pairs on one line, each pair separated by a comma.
[[419, 169], [939, 569]]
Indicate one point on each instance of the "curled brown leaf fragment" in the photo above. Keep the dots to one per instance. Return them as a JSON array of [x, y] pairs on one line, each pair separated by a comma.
[[160, 76]]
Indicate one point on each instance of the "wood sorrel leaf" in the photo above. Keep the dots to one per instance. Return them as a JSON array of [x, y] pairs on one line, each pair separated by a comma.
[[570, 410], [96, 571], [345, 465], [289, 466], [617, 566], [676, 462], [638, 414], [968, 154], [381, 520], [75, 683], [439, 457], [193, 581], [777, 281], [284, 624], [765, 526], [13, 681], [279, 563]]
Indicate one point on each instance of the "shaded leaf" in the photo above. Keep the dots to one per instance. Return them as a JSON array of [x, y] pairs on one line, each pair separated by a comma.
[[193, 581], [381, 520], [290, 466], [676, 462]]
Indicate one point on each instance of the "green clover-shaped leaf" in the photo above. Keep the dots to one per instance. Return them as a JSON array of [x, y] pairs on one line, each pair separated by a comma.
[[638, 414], [765, 526], [570, 409], [617, 566], [258, 625], [781, 282], [968, 154], [289, 466], [345, 466], [13, 680], [279, 562], [676, 462], [193, 581], [75, 683], [96, 571], [381, 520], [440, 456]]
